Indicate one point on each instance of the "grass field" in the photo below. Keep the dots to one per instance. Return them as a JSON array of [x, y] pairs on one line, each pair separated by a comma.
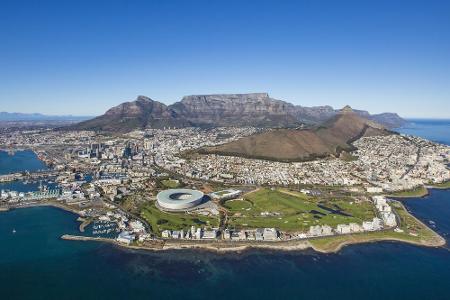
[[170, 183], [160, 220], [293, 211], [417, 192], [445, 185]]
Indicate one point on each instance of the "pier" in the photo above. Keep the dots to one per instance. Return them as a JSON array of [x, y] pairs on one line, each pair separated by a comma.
[[29, 176]]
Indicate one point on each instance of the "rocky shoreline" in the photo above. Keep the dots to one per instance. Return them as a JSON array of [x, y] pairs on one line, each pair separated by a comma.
[[227, 247], [221, 246]]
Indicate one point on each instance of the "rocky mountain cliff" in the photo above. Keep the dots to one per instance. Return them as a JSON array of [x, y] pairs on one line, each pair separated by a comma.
[[256, 109], [141, 113]]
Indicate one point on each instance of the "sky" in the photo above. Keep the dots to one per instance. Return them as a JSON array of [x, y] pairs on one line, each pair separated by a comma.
[[83, 57]]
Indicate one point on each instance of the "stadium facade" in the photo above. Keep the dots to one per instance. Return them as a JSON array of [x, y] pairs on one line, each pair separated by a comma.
[[179, 199]]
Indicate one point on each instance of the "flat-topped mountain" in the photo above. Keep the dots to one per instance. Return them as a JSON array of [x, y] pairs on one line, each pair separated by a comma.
[[255, 109], [330, 138]]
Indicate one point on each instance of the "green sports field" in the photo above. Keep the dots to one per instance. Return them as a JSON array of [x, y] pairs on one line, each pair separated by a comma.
[[293, 211]]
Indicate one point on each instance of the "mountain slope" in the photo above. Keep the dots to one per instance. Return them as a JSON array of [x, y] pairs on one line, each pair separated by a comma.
[[330, 138], [256, 109], [139, 114]]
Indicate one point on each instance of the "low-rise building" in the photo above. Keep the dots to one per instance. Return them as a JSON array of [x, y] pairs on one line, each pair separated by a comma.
[[209, 234], [343, 229], [270, 234], [125, 237]]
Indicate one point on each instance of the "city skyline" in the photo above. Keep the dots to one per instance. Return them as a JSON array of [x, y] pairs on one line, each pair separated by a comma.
[[83, 58]]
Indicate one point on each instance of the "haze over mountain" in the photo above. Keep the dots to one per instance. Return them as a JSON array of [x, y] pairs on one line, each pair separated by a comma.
[[330, 138], [7, 116], [256, 109]]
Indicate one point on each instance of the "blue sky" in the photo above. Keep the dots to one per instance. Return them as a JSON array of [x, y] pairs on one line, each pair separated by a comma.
[[82, 57]]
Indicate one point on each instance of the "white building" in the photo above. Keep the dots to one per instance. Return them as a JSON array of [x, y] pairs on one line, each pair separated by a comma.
[[125, 237], [137, 226], [354, 227], [270, 234], [343, 229], [374, 189], [389, 219], [209, 234]]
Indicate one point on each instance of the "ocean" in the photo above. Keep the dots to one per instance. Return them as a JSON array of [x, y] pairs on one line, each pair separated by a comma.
[[20, 161], [36, 264]]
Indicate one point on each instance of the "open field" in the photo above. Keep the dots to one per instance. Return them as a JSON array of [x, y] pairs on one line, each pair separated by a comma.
[[417, 192], [170, 183], [160, 220], [414, 232], [443, 186], [293, 211]]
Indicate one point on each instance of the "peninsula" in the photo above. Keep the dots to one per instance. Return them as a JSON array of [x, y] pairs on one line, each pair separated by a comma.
[[149, 176]]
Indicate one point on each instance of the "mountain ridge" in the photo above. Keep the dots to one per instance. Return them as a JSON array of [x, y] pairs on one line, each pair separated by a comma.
[[253, 109], [331, 138], [16, 116]]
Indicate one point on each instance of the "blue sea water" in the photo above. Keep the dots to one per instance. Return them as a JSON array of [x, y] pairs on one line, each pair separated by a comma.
[[36, 264], [24, 160], [432, 129]]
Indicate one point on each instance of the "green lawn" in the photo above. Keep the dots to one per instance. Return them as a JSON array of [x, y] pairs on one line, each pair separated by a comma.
[[417, 192], [238, 205], [293, 211], [445, 185], [160, 220], [170, 183]]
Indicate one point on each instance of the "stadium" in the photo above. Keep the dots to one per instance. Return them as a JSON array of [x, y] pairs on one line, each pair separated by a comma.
[[179, 199]]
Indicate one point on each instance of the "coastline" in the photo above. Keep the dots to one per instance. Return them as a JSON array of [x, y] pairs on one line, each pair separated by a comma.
[[336, 243], [215, 246], [51, 204], [330, 244], [421, 192]]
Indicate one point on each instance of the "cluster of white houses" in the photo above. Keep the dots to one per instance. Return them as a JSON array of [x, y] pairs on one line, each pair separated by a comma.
[[194, 233], [259, 234], [324, 230], [387, 220]]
